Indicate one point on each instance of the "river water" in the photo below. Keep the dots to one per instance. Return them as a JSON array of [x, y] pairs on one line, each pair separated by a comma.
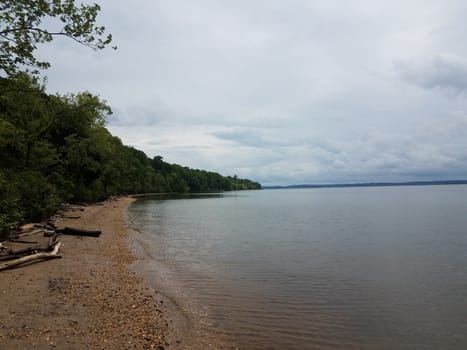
[[328, 268]]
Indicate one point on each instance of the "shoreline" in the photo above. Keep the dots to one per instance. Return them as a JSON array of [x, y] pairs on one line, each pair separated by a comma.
[[186, 329], [89, 299]]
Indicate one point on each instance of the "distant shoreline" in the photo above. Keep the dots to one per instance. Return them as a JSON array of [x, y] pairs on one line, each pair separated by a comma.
[[369, 184]]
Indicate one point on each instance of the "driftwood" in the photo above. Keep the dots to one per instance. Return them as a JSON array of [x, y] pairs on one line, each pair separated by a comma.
[[47, 230], [16, 254], [21, 241], [49, 233], [78, 232], [11, 254], [52, 241], [31, 258], [10, 258], [31, 233]]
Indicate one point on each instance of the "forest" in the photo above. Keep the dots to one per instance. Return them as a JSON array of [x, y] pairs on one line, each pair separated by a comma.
[[56, 149]]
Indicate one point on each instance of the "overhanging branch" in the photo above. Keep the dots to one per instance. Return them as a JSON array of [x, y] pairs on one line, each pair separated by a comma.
[[45, 32]]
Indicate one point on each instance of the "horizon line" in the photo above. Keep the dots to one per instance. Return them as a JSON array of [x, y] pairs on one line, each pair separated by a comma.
[[369, 184]]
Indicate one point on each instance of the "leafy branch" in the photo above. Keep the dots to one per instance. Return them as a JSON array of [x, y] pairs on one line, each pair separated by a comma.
[[26, 23]]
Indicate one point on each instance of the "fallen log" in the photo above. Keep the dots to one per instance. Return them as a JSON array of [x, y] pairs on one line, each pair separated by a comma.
[[21, 241], [78, 232], [24, 251], [49, 233], [10, 257], [15, 254], [31, 233], [31, 258], [52, 241]]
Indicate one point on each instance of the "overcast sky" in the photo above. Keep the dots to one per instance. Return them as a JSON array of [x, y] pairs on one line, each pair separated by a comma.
[[283, 92]]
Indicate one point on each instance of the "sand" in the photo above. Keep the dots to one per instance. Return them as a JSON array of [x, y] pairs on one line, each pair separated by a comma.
[[89, 299]]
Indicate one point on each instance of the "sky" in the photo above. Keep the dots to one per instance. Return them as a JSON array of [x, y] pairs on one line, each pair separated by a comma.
[[283, 92]]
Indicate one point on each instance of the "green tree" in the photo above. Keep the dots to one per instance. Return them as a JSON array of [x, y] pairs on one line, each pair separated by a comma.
[[10, 212], [26, 23], [56, 148]]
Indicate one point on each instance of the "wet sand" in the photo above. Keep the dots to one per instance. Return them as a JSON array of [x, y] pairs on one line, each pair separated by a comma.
[[89, 299]]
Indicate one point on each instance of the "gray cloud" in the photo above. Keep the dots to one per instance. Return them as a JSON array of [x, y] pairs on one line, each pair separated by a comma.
[[136, 116], [253, 138], [443, 72]]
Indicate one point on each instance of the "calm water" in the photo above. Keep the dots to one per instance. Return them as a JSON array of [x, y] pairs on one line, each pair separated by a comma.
[[345, 268]]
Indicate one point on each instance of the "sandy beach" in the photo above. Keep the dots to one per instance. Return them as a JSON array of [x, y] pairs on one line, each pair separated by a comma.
[[88, 299]]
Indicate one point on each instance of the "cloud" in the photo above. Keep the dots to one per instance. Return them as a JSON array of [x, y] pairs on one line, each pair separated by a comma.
[[283, 92], [447, 73], [253, 137], [137, 116]]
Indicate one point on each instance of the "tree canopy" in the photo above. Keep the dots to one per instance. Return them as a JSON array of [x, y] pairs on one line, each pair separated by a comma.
[[56, 148], [26, 23]]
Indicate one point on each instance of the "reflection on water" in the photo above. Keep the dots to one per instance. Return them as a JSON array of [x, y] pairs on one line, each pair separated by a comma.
[[362, 268], [168, 196]]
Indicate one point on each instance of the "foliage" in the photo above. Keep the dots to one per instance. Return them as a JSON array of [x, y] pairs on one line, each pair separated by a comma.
[[9, 200], [56, 148], [26, 23]]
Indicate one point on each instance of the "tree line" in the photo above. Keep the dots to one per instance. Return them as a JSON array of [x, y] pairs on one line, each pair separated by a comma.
[[56, 148]]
